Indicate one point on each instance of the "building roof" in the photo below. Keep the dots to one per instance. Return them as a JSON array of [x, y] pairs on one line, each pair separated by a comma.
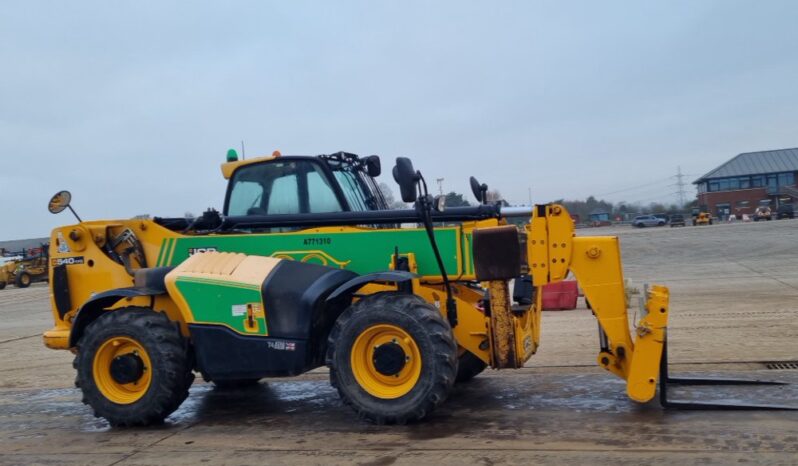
[[18, 245], [755, 163]]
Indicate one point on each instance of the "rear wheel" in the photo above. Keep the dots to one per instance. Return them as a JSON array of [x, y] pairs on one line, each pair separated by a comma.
[[2, 285], [468, 367], [22, 280], [133, 367], [392, 357]]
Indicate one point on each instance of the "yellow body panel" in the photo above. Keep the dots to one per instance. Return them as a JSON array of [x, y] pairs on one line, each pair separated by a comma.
[[57, 338]]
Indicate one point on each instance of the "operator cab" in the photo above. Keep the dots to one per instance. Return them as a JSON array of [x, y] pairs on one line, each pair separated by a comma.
[[340, 182]]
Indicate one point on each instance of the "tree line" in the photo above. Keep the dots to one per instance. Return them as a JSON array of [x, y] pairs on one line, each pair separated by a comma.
[[577, 208]]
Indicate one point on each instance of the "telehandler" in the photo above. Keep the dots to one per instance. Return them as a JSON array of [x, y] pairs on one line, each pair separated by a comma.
[[306, 267]]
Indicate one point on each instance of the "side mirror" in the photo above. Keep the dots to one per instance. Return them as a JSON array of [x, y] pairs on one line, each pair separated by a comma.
[[478, 189], [439, 204], [373, 166], [406, 176], [59, 202]]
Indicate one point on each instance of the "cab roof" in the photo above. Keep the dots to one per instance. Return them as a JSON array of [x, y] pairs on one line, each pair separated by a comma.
[[229, 167]]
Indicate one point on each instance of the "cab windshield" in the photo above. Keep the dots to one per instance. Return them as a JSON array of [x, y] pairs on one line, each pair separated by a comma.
[[360, 190]]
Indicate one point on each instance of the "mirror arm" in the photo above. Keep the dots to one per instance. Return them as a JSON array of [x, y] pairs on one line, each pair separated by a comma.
[[75, 214], [424, 208]]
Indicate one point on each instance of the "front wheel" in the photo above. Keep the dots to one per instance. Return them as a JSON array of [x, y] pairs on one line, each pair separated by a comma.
[[133, 367], [392, 357], [22, 280]]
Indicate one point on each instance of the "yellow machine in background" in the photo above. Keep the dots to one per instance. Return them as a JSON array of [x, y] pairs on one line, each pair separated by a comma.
[[7, 273], [702, 218], [24, 271]]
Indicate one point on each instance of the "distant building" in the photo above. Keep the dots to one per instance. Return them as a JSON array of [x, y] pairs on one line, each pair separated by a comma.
[[20, 246], [749, 180], [599, 215]]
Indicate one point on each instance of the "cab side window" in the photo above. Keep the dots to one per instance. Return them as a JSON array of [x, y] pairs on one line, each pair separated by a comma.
[[276, 187], [245, 194]]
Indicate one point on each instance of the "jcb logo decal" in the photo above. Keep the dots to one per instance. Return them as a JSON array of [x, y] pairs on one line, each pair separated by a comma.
[[192, 251], [66, 261]]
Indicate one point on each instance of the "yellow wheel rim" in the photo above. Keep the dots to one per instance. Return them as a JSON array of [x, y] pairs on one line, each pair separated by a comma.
[[367, 375], [25, 279], [114, 391]]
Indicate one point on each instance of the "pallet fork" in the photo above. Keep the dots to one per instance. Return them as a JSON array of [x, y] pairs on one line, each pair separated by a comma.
[[666, 380]]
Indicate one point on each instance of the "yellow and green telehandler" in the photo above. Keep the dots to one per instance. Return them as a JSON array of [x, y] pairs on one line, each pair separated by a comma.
[[306, 266]]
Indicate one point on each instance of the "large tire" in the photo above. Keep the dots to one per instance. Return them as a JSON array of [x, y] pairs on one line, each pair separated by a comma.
[[22, 280], [161, 377], [2, 285], [392, 358], [468, 367]]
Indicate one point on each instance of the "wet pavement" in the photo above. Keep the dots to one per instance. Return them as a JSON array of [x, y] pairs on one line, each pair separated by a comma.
[[509, 417], [733, 289]]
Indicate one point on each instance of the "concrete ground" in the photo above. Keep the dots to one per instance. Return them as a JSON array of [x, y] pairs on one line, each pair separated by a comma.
[[732, 289]]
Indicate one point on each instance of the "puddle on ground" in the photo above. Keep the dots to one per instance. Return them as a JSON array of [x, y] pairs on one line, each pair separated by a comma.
[[316, 403]]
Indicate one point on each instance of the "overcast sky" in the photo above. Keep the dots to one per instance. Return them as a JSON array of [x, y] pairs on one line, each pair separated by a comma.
[[132, 106]]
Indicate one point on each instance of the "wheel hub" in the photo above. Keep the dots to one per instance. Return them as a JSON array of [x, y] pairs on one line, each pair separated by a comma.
[[389, 359], [386, 361], [127, 368]]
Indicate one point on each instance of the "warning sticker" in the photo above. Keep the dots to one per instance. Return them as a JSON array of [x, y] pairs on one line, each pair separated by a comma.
[[239, 310]]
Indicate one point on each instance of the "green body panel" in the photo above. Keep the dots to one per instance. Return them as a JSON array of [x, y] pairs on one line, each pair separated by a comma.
[[220, 302], [362, 252]]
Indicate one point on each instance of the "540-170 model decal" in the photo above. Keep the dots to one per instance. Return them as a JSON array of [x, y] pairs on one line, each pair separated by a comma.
[[75, 260]]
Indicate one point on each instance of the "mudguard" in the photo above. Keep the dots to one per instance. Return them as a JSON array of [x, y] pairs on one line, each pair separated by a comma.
[[393, 276], [95, 306]]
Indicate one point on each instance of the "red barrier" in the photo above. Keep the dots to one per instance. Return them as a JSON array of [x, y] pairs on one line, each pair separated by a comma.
[[560, 296]]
